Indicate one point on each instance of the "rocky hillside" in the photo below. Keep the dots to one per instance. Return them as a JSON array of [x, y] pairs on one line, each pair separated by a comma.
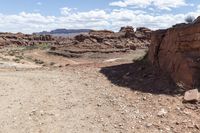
[[94, 40], [106, 41], [20, 39], [177, 51]]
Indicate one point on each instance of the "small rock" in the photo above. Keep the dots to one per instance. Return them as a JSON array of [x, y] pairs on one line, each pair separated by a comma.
[[149, 125], [99, 105], [191, 96], [144, 98], [162, 112], [197, 126], [167, 128]]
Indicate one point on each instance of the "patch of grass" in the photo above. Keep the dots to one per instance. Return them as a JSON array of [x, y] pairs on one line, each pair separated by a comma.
[[11, 53], [16, 60], [38, 61], [29, 58], [52, 63], [19, 57], [14, 52], [41, 46], [29, 47], [44, 46], [4, 59]]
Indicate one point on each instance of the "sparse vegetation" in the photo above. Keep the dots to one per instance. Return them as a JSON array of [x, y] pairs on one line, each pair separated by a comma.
[[38, 61], [16, 60], [41, 46], [15, 52], [189, 19], [52, 63], [11, 53], [20, 57]]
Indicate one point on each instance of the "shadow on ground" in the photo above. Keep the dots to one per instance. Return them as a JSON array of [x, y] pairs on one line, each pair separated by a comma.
[[141, 76]]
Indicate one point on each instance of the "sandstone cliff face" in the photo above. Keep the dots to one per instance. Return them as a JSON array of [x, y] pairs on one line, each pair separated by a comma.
[[177, 51]]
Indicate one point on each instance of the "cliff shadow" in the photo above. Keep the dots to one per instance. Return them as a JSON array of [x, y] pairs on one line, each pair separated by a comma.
[[141, 76]]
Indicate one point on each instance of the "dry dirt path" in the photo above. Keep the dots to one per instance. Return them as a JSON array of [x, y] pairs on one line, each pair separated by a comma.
[[82, 100]]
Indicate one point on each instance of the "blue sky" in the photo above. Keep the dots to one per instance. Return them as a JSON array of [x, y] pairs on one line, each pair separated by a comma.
[[36, 15], [51, 7]]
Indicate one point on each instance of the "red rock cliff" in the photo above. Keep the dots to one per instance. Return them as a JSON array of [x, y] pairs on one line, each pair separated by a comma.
[[177, 51]]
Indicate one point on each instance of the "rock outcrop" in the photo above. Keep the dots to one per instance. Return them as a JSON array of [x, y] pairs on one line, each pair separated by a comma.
[[96, 41], [177, 52], [102, 41], [125, 38], [143, 33], [20, 39]]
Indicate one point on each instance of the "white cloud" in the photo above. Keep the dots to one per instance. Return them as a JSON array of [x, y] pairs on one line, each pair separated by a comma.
[[65, 10], [161, 4], [94, 19], [168, 4], [125, 3]]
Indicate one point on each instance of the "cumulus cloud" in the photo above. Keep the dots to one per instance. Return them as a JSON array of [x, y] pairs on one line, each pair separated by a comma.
[[161, 4], [25, 22], [125, 3], [93, 19], [168, 4]]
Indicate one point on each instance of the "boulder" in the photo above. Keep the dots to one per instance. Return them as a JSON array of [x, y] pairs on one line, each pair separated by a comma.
[[191, 96]]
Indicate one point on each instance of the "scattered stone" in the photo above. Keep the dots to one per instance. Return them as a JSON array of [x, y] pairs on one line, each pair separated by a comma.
[[149, 125], [167, 128], [197, 126], [162, 113], [191, 96], [99, 105], [144, 98]]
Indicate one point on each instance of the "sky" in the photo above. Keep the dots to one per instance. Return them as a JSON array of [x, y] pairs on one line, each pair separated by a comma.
[[30, 16]]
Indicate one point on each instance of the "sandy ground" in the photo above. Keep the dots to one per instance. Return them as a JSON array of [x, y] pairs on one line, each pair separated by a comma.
[[82, 99]]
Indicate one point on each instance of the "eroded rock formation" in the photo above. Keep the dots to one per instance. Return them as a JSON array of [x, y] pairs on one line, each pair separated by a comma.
[[177, 51], [20, 39], [103, 41], [125, 38]]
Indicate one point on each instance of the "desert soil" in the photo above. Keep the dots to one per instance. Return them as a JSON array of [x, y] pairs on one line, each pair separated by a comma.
[[82, 98]]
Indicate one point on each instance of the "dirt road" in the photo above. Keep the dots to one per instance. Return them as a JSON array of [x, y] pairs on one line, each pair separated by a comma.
[[83, 100]]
